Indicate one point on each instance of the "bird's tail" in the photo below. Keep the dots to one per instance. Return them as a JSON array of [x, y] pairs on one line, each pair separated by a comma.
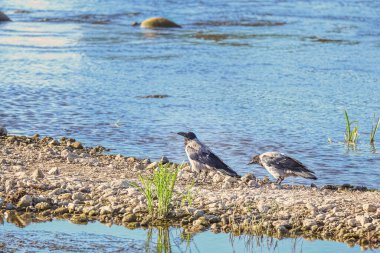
[[230, 173], [306, 174]]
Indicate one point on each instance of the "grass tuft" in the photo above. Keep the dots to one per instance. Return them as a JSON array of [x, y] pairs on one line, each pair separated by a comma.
[[164, 179], [351, 134], [375, 126], [160, 187], [147, 189], [187, 196]]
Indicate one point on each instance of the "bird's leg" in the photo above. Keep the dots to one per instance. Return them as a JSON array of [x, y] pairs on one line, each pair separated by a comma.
[[205, 177], [279, 180]]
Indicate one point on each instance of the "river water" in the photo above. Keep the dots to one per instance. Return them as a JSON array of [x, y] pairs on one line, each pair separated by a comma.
[[246, 76], [62, 236]]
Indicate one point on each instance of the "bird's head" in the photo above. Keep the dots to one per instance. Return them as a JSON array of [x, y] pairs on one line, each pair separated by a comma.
[[255, 160], [189, 135]]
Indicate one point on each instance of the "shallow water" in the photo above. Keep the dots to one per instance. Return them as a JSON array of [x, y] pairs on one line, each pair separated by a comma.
[[62, 236], [246, 76]]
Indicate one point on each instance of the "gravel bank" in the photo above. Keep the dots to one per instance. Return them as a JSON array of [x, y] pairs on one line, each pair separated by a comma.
[[47, 178]]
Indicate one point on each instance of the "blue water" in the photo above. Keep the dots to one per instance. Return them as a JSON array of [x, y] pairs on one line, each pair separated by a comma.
[[246, 76], [62, 236]]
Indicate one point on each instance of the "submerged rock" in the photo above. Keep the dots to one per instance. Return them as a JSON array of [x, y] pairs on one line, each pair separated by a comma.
[[3, 17], [155, 96], [159, 22], [22, 11]]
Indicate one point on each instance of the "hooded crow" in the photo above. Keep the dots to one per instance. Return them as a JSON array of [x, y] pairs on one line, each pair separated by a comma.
[[202, 158], [281, 166]]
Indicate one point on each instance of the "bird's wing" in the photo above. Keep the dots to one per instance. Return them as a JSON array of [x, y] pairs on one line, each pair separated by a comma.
[[208, 158], [288, 165]]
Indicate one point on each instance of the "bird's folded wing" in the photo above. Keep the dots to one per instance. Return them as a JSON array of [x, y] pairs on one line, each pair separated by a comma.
[[287, 163], [208, 158]]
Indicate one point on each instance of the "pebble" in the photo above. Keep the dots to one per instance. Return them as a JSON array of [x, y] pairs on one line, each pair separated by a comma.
[[351, 222], [76, 145], [25, 201], [228, 179], [248, 177], [262, 207], [42, 206], [106, 210], [129, 218], [9, 206], [61, 210], [198, 213], [369, 226], [152, 165], [164, 160], [78, 196], [9, 185], [309, 222], [226, 185], [121, 184], [252, 184], [369, 208], [38, 174], [217, 178], [54, 171], [362, 219]]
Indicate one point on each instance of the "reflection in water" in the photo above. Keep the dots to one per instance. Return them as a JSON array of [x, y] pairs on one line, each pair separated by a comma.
[[373, 148], [162, 244], [166, 240], [20, 220], [68, 237]]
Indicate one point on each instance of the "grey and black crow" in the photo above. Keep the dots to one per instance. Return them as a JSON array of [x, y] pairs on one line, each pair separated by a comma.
[[202, 158], [281, 166]]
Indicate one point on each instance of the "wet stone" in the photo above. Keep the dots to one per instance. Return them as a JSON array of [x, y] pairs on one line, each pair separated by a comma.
[[42, 206], [129, 218], [198, 213], [158, 22], [61, 210], [25, 201]]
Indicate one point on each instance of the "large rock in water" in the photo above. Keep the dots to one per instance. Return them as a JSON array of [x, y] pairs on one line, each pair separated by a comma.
[[4, 17], [159, 22]]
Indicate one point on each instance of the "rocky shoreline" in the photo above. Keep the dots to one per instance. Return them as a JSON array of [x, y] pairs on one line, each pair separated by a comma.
[[45, 178]]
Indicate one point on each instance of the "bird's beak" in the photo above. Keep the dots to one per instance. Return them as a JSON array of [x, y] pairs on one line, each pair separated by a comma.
[[182, 134]]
